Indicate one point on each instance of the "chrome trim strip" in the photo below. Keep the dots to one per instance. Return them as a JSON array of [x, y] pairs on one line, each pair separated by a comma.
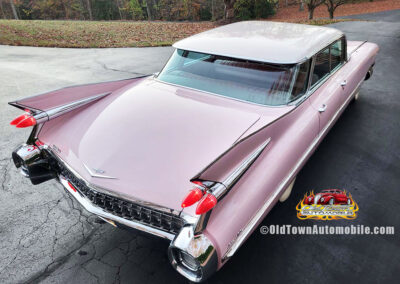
[[239, 171], [243, 233], [220, 189], [55, 112], [354, 50], [18, 105], [97, 175], [101, 213]]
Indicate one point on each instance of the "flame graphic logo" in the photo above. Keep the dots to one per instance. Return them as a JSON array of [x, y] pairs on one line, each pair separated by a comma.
[[325, 209]]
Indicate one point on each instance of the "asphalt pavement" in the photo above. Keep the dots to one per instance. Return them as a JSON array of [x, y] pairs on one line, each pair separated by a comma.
[[46, 237]]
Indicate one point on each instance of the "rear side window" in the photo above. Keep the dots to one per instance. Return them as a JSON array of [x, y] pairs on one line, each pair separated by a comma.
[[321, 67], [300, 85], [327, 60], [336, 54]]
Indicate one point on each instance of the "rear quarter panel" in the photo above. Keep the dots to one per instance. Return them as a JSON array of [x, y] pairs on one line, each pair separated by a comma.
[[265, 180], [290, 136]]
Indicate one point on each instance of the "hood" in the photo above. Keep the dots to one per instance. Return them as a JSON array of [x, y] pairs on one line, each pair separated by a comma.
[[152, 137]]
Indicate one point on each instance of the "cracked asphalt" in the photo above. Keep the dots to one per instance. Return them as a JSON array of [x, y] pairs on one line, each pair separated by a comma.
[[45, 236]]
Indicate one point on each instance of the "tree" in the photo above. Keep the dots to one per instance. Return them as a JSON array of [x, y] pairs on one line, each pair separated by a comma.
[[149, 17], [213, 10], [89, 7], [311, 5], [229, 9], [332, 5], [136, 10], [2, 10], [13, 9]]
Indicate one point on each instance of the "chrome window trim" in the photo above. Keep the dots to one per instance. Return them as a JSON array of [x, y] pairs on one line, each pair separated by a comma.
[[218, 95], [245, 231]]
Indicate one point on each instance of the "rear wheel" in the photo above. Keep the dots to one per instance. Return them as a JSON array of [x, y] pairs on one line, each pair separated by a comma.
[[287, 192]]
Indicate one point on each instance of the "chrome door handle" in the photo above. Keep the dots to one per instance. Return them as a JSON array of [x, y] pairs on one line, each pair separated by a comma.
[[344, 83], [322, 108]]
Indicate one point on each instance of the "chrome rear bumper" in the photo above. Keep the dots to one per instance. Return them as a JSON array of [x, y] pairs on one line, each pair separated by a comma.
[[192, 254]]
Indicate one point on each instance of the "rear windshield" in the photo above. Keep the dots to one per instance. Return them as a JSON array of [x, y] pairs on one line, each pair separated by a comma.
[[254, 82]]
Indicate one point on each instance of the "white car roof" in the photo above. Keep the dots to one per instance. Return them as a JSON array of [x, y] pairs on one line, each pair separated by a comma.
[[263, 41]]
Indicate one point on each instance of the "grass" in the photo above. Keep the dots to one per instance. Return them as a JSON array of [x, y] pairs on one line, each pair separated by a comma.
[[85, 34], [322, 22], [96, 34]]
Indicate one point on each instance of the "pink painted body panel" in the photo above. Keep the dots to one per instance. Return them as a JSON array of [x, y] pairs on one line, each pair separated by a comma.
[[153, 137], [290, 137]]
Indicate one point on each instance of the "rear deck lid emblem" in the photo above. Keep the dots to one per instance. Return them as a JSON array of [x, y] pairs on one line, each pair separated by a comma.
[[98, 173]]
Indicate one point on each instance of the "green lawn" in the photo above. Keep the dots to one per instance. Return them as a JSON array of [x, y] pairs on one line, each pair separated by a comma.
[[102, 34]]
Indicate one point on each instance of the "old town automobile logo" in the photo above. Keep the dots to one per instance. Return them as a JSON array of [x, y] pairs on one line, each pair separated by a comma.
[[329, 204]]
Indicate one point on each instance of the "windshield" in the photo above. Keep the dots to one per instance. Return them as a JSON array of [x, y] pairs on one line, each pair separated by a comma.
[[250, 81]]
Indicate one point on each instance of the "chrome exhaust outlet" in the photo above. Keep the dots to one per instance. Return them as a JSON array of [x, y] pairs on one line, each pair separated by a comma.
[[32, 164]]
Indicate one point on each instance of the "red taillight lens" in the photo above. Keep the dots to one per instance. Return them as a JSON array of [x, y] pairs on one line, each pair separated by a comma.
[[206, 203], [20, 118], [192, 197], [29, 121], [24, 120], [71, 186]]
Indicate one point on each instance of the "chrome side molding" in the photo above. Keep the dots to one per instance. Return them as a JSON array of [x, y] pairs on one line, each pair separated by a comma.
[[219, 190], [228, 183], [55, 112]]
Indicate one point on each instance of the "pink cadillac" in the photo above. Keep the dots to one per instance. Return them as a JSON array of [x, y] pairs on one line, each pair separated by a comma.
[[199, 153]]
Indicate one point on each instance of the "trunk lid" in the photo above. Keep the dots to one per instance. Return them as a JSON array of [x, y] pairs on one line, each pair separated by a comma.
[[152, 138]]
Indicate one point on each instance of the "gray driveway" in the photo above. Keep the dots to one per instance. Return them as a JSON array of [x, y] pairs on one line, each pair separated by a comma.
[[46, 237]]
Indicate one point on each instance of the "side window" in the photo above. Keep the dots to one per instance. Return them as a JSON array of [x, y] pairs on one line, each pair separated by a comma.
[[300, 85], [336, 54], [321, 67]]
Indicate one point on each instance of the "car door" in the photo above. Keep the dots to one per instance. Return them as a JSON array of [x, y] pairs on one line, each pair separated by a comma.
[[327, 87]]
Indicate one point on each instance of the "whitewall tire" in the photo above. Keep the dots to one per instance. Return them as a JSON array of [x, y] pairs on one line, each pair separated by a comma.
[[287, 192]]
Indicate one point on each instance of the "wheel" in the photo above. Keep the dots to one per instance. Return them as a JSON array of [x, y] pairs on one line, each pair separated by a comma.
[[287, 192], [331, 201], [348, 201]]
